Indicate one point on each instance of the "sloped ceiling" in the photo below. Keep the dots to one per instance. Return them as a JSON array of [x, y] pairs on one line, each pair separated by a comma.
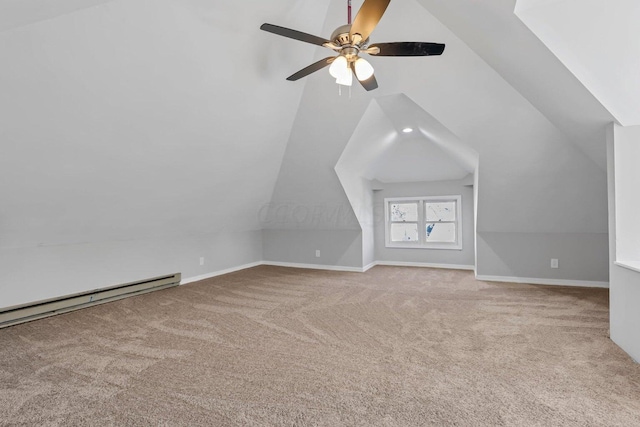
[[606, 62], [18, 13], [137, 118], [495, 33], [429, 153], [436, 153], [415, 159], [132, 118], [530, 168]]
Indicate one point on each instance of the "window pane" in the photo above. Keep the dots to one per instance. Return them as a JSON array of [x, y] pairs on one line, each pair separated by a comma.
[[441, 211], [404, 232], [439, 232], [404, 211]]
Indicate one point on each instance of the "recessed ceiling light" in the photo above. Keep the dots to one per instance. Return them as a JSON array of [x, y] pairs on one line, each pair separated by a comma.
[[407, 130]]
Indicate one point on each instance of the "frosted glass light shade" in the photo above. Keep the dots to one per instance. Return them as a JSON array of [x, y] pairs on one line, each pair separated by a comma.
[[364, 70], [339, 67], [346, 79]]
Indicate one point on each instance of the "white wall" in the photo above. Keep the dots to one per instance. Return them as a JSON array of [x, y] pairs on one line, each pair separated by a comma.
[[624, 301], [464, 257], [625, 281], [627, 192]]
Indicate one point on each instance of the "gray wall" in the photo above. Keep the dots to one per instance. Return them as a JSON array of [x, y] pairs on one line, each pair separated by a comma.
[[435, 256], [37, 273], [582, 256], [342, 248]]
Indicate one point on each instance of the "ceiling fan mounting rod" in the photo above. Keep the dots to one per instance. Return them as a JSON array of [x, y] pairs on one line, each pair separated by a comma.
[[348, 11]]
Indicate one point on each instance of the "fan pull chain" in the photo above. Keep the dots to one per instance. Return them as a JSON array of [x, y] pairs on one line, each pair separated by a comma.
[[340, 91]]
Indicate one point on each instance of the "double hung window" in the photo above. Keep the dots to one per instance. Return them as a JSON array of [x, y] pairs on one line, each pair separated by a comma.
[[423, 222]]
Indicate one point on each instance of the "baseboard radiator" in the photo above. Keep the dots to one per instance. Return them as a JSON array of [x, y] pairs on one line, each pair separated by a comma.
[[37, 310]]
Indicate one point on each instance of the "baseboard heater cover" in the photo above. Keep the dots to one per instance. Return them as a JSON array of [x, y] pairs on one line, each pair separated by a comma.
[[37, 310]]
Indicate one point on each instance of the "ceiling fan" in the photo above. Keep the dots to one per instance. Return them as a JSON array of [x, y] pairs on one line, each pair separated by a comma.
[[350, 41]]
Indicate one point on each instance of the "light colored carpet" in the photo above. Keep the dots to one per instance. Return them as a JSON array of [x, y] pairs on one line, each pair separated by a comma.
[[288, 347]]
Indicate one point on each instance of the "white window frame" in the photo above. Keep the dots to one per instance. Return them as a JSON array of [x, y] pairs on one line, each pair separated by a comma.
[[421, 243]]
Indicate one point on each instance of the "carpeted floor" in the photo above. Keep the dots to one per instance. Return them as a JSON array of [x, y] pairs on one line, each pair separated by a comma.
[[287, 347]]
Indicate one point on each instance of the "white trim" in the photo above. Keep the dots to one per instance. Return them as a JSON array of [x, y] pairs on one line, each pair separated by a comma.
[[314, 266], [538, 281], [426, 265], [369, 267], [526, 280], [631, 265], [220, 272]]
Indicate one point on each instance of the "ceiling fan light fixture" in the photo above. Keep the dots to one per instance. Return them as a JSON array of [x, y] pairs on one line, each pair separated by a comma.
[[349, 41], [339, 68], [363, 69], [346, 79]]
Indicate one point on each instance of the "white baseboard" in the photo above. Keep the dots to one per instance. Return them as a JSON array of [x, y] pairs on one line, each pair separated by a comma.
[[322, 267], [369, 267], [527, 280], [426, 265], [314, 266], [219, 272], [538, 281]]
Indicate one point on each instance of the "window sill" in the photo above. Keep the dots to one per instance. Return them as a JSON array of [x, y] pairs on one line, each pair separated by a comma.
[[438, 247], [631, 265]]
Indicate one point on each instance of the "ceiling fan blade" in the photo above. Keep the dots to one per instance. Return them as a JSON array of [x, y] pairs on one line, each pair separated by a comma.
[[293, 34], [370, 84], [367, 18], [407, 49], [311, 69]]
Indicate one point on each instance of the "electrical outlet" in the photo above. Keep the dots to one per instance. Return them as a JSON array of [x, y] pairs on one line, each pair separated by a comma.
[[201, 260], [554, 262], [317, 253]]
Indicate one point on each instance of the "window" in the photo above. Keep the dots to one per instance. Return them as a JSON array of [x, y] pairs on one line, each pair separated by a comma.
[[423, 222]]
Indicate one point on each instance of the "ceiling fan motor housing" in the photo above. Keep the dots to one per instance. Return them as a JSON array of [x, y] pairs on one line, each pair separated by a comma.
[[341, 37]]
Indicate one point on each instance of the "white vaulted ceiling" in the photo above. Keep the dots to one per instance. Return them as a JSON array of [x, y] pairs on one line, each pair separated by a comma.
[[142, 117], [503, 41], [129, 118], [19, 13], [601, 48], [531, 167]]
